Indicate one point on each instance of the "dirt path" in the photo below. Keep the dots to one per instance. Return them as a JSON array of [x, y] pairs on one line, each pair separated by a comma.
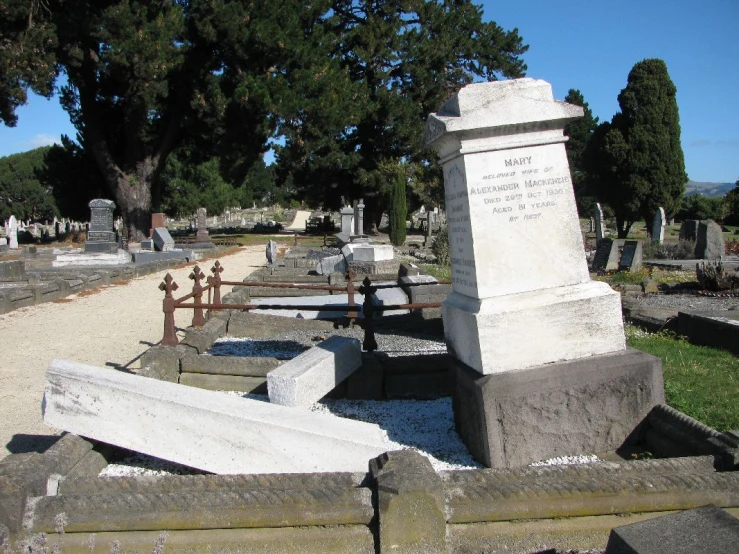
[[110, 326], [298, 223]]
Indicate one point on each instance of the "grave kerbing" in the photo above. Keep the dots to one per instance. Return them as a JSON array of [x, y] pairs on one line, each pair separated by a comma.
[[522, 295]]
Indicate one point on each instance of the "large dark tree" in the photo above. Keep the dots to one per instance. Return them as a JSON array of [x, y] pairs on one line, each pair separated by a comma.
[[144, 76], [640, 149], [579, 132], [398, 62]]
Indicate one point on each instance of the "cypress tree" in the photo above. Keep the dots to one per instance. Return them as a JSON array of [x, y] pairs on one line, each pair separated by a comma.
[[398, 211], [654, 169]]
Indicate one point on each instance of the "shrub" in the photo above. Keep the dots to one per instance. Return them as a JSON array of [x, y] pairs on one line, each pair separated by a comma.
[[683, 250], [440, 248], [713, 277]]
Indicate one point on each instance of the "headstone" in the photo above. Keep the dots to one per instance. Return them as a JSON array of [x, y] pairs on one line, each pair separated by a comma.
[[600, 231], [163, 241], [591, 225], [232, 434], [359, 217], [523, 307], [271, 252], [658, 226], [689, 230], [709, 244], [704, 530], [606, 255], [347, 221], [158, 220], [631, 256], [427, 238], [12, 233], [101, 237], [202, 223]]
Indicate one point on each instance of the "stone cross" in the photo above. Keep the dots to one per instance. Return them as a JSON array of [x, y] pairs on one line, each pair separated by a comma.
[[658, 226]]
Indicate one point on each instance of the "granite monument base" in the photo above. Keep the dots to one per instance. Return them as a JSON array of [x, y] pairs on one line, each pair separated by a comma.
[[569, 408], [101, 247], [517, 331]]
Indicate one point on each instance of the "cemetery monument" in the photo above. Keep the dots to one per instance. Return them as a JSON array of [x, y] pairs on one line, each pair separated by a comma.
[[101, 236], [539, 352]]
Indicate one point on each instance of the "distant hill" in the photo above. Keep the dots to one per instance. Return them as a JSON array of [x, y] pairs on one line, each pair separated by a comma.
[[708, 189]]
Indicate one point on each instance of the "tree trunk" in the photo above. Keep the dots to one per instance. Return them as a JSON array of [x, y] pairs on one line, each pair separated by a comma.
[[133, 194]]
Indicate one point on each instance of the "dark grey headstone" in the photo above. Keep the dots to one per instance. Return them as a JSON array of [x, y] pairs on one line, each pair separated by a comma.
[[271, 252], [689, 230], [704, 530], [709, 245], [631, 256], [163, 241], [602, 254], [100, 234]]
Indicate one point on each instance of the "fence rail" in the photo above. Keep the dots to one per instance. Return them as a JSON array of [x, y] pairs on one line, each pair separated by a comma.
[[213, 289]]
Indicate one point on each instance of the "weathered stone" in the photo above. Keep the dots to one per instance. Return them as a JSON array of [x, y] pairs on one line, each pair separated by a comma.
[[222, 509], [246, 324], [13, 270], [704, 530], [718, 329], [254, 385], [516, 418], [410, 502], [163, 241], [689, 230], [310, 376], [229, 365], [709, 244], [233, 434], [161, 362]]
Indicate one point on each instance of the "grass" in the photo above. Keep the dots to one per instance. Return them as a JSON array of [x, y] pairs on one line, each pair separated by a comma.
[[701, 382], [441, 272]]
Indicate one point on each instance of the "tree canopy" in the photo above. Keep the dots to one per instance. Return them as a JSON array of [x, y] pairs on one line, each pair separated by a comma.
[[637, 159], [22, 193], [392, 64], [579, 132], [346, 83]]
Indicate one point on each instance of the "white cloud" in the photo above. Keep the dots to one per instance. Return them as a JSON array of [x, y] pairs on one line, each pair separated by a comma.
[[43, 140]]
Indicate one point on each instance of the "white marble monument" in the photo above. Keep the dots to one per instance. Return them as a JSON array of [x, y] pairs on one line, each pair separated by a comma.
[[658, 226], [522, 295]]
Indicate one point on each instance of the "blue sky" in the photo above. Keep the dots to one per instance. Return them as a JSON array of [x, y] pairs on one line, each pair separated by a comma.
[[590, 46]]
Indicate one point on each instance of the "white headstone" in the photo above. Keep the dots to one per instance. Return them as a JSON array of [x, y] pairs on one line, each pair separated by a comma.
[[522, 295], [658, 226], [599, 224], [13, 233]]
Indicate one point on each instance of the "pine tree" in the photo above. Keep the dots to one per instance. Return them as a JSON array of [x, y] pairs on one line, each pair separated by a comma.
[[579, 132], [398, 212]]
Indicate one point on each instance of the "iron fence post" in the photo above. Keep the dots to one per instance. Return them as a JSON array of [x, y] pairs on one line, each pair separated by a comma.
[[198, 319], [168, 306], [369, 344], [350, 289]]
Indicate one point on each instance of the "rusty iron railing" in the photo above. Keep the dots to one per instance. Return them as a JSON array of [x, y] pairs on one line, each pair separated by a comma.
[[213, 288]]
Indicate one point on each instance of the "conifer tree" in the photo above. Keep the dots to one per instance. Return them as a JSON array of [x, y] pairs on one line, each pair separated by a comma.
[[398, 212]]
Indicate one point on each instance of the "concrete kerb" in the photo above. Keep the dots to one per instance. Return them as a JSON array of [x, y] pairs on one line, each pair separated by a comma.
[[463, 510]]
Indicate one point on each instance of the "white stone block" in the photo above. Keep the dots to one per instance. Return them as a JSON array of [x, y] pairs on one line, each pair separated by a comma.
[[92, 259], [524, 330], [310, 376], [373, 252], [202, 429]]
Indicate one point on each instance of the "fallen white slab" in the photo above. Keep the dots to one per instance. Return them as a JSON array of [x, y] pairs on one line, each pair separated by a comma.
[[202, 429], [313, 374]]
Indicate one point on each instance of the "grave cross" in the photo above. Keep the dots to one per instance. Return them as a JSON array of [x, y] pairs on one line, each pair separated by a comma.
[[198, 318], [369, 344], [168, 305], [215, 280]]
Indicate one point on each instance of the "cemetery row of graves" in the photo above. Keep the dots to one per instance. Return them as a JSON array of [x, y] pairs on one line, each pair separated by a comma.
[[531, 350]]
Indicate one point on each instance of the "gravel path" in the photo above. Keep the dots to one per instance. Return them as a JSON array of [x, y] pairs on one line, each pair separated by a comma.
[[110, 326], [689, 301]]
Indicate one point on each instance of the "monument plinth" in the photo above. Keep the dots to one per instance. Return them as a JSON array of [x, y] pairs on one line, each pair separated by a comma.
[[522, 295]]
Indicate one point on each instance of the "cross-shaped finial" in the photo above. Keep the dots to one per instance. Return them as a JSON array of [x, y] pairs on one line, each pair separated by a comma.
[[197, 275], [217, 269], [168, 285]]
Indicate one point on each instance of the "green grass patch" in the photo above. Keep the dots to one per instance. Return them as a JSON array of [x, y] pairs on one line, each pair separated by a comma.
[[441, 272], [701, 382]]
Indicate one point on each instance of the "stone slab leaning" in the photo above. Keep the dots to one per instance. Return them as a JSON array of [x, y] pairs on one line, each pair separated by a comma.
[[202, 429]]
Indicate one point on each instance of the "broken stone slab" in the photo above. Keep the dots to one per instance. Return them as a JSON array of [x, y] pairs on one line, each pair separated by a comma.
[[202, 429], [703, 530], [314, 373]]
